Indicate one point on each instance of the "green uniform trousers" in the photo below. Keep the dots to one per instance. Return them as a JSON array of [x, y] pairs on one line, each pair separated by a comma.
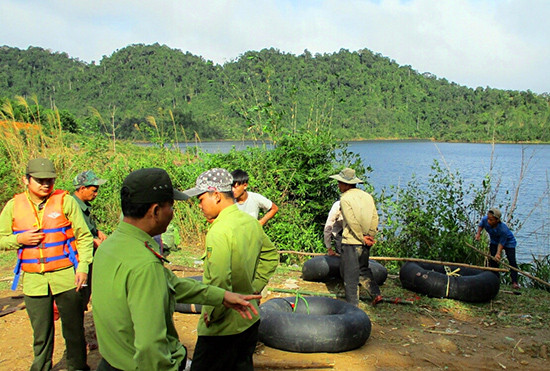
[[71, 313]]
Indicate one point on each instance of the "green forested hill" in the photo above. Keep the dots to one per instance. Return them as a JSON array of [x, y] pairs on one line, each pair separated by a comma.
[[357, 94]]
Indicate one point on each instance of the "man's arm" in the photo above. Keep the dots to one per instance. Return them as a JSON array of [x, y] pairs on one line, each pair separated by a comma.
[[269, 214], [333, 215], [8, 240], [267, 263], [478, 233]]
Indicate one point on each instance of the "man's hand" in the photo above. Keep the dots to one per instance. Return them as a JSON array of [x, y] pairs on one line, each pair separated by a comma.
[[497, 256], [477, 237], [240, 303], [31, 238], [102, 236], [368, 240], [331, 252], [80, 280]]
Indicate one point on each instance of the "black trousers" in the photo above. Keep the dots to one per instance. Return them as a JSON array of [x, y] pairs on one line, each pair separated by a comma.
[[510, 255], [40, 311], [354, 268], [227, 353]]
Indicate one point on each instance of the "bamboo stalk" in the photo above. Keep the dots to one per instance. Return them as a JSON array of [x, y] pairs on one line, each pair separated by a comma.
[[440, 263], [390, 258], [509, 266], [181, 268], [335, 296], [300, 253], [11, 310], [260, 364], [450, 333]]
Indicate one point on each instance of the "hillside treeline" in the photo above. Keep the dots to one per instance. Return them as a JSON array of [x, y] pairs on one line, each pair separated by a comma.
[[152, 91]]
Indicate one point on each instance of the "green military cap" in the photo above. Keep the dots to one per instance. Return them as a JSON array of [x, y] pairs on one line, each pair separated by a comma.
[[41, 168]]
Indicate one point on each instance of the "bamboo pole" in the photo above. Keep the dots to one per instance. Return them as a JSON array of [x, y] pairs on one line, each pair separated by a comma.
[[390, 258], [450, 333], [262, 364], [301, 253], [509, 266], [316, 293], [440, 263]]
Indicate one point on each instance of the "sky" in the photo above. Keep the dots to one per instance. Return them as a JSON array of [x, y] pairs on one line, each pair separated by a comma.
[[502, 44]]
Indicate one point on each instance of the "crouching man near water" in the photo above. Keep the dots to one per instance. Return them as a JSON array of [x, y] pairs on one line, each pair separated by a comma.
[[134, 294]]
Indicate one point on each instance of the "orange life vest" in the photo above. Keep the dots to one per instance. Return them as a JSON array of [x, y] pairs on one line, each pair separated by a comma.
[[58, 248]]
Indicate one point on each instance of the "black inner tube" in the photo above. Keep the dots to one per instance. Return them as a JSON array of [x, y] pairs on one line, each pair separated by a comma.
[[325, 268], [466, 284], [317, 324]]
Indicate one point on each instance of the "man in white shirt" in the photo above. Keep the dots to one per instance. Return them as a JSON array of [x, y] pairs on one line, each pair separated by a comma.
[[251, 202], [333, 230]]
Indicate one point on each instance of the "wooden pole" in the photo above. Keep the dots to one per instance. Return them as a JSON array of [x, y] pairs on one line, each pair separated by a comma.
[[316, 293], [509, 266], [440, 263], [263, 364], [382, 258], [301, 253]]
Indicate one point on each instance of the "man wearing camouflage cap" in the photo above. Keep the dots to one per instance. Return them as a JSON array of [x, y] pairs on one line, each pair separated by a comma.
[[134, 294], [239, 256], [86, 186]]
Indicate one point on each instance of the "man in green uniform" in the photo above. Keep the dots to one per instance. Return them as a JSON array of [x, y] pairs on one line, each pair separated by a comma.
[[86, 186], [47, 284], [239, 257], [134, 294]]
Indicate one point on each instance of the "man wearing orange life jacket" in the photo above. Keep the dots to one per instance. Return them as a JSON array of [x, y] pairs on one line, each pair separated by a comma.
[[54, 250]]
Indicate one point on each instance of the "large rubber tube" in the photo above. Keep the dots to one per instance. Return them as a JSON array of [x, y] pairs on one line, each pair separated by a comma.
[[325, 268], [466, 284], [189, 308], [331, 325]]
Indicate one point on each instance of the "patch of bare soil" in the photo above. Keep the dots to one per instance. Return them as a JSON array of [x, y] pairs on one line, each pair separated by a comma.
[[449, 339]]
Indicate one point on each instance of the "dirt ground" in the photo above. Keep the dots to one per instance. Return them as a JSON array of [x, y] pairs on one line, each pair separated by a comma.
[[450, 339]]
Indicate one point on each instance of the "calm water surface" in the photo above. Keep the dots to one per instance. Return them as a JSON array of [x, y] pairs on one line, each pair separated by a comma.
[[395, 162]]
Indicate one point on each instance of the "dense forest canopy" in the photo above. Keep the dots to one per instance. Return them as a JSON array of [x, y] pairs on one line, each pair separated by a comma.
[[147, 91]]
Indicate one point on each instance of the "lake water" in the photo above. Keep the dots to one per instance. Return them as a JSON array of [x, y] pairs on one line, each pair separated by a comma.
[[395, 162]]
